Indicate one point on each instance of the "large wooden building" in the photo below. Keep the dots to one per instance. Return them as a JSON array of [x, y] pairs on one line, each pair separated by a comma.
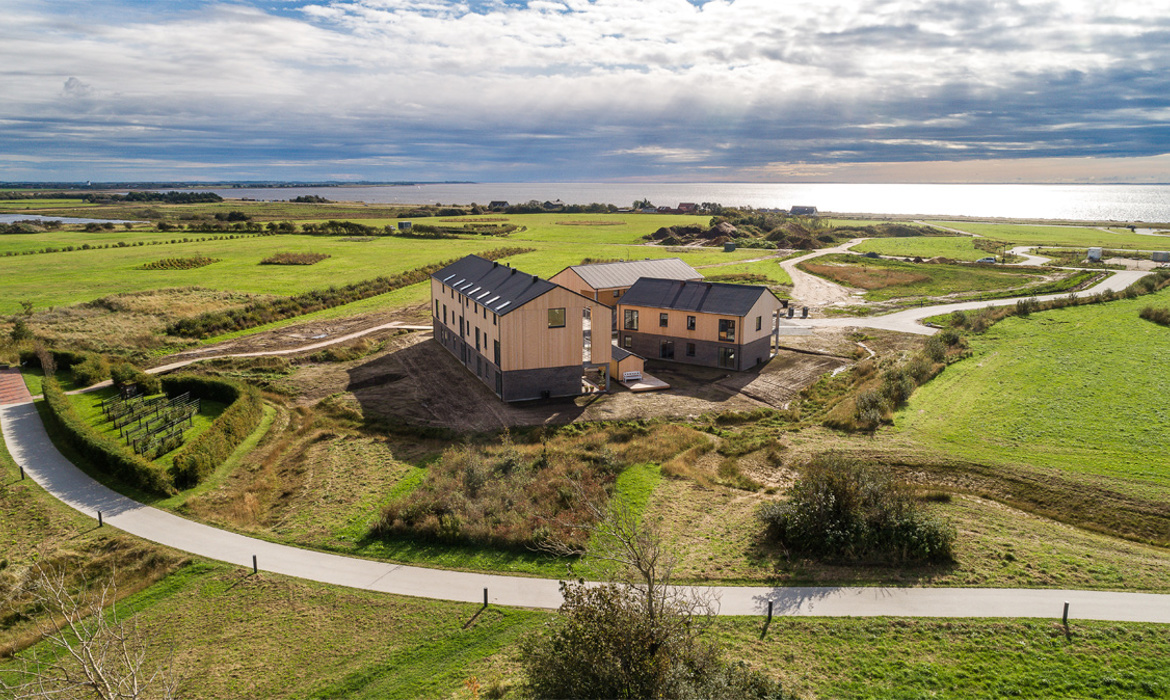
[[607, 282], [730, 326], [522, 336]]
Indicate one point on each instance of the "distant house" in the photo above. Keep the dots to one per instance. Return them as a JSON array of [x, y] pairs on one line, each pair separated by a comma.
[[664, 210], [688, 208], [803, 211], [404, 225], [729, 326], [606, 282], [555, 204], [497, 205], [522, 336]]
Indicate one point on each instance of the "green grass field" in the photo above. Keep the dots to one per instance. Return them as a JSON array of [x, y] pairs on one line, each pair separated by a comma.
[[1077, 237], [955, 248], [1079, 390]]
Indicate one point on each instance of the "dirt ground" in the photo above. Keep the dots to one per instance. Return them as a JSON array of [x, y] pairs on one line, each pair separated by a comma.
[[310, 332], [415, 381]]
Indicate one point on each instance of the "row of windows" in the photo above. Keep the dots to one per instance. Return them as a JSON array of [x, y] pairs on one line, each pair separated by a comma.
[[726, 355], [726, 325]]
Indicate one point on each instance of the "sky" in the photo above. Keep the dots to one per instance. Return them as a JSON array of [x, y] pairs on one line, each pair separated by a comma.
[[586, 90]]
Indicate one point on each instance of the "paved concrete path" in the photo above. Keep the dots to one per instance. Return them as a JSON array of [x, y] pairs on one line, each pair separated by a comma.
[[31, 448], [910, 320]]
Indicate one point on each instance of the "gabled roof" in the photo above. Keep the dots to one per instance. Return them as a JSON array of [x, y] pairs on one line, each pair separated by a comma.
[[500, 288], [618, 353], [703, 297], [626, 273]]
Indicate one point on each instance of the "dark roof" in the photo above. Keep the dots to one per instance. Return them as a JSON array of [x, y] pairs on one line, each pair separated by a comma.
[[618, 353], [498, 287], [627, 272], [703, 297]]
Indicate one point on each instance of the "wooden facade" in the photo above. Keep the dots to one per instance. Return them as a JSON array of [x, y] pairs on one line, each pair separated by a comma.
[[734, 328], [522, 336]]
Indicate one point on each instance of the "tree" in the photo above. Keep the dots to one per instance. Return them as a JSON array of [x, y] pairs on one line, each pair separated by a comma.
[[88, 650], [643, 204], [638, 635]]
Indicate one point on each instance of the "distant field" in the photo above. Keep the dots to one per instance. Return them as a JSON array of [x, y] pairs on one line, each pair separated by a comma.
[[1079, 390], [891, 279], [1019, 234], [955, 248], [768, 268]]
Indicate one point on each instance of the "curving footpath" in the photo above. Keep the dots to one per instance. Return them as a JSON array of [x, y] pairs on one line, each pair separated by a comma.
[[30, 446]]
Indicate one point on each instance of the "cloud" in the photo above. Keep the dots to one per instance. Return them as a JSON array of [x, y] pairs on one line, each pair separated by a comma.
[[546, 89]]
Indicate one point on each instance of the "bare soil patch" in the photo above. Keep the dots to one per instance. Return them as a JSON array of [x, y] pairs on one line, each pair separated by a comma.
[[415, 381]]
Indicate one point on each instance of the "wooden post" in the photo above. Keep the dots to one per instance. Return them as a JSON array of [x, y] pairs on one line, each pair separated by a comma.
[[485, 603], [1065, 620], [22, 473], [769, 612], [99, 518], [255, 568]]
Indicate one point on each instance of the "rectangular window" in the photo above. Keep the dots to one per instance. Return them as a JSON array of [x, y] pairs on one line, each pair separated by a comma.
[[666, 351], [690, 323], [759, 322], [663, 320], [495, 317], [628, 342], [444, 313], [477, 338], [631, 320], [556, 318], [690, 349], [727, 358], [478, 365], [617, 293], [436, 308], [499, 384], [497, 348], [727, 330], [460, 326]]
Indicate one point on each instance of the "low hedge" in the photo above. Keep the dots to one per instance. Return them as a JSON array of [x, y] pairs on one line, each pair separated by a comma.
[[201, 456], [105, 454]]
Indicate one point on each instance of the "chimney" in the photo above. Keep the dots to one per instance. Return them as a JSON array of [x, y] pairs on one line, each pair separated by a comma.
[[535, 279], [513, 270], [495, 264]]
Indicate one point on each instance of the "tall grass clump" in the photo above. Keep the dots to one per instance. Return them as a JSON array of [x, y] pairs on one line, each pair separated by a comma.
[[841, 509], [1156, 315]]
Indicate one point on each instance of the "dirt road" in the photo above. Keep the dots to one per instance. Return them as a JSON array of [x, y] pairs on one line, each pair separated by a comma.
[[816, 292]]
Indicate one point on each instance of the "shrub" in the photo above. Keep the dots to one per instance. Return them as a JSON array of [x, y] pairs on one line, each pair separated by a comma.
[[294, 259], [94, 369], [1159, 316], [104, 453], [840, 509], [203, 454]]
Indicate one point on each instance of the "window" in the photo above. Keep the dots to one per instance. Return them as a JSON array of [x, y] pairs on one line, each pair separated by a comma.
[[690, 323], [690, 349], [478, 365], [628, 342], [727, 358], [666, 351], [759, 322], [477, 338], [556, 318], [436, 308], [444, 313], [497, 348], [495, 317], [461, 327], [499, 384], [617, 293], [663, 320], [727, 330], [631, 320]]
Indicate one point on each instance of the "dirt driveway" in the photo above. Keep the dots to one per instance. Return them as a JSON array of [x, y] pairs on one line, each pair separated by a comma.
[[816, 292]]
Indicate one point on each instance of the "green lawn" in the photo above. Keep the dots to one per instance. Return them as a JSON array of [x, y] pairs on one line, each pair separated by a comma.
[[766, 268], [1077, 237], [88, 405], [955, 248], [1080, 390]]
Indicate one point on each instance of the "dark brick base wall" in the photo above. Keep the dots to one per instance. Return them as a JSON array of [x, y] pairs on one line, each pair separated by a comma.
[[524, 385], [519, 385], [649, 346]]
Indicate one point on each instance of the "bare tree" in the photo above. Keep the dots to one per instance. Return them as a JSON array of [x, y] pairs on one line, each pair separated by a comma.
[[88, 648]]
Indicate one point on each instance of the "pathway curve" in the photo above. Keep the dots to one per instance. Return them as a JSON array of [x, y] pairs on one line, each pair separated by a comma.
[[910, 320], [810, 290], [30, 446]]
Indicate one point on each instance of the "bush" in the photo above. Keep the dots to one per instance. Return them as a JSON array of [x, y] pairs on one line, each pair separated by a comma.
[[840, 509], [604, 644], [206, 452], [1159, 316], [105, 454], [94, 369]]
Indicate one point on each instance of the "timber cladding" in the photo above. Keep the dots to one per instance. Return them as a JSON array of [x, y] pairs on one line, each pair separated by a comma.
[[521, 335]]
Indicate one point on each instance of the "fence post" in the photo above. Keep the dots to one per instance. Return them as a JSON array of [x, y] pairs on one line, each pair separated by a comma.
[[485, 598], [99, 518], [1065, 619], [255, 568]]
